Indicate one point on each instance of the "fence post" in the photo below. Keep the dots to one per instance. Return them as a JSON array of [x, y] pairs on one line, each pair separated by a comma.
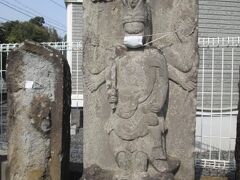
[[237, 147]]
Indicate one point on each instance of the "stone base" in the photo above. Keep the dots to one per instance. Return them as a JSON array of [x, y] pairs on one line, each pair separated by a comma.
[[96, 173]]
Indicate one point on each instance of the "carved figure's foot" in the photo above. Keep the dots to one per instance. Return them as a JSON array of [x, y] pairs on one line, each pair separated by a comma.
[[169, 166], [141, 162], [122, 175], [160, 165], [123, 161]]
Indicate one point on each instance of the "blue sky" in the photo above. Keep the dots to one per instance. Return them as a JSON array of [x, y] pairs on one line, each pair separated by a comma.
[[53, 11]]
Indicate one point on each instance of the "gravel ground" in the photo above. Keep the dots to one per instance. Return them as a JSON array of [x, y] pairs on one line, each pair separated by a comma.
[[224, 155], [76, 155], [214, 173], [76, 150]]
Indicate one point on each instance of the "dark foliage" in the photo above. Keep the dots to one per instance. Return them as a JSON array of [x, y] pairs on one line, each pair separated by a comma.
[[34, 29]]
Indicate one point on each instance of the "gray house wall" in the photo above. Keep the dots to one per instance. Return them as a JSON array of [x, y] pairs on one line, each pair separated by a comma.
[[219, 18]]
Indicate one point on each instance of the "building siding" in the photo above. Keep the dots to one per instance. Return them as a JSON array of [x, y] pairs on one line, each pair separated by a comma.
[[77, 56], [218, 18]]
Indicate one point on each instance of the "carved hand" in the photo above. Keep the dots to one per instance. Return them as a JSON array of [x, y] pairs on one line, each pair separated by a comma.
[[188, 81], [94, 82], [154, 108]]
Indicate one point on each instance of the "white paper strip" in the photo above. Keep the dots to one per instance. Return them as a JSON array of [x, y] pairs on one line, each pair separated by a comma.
[[29, 84], [133, 41]]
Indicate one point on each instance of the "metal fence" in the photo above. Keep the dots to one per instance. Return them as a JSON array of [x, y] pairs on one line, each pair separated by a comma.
[[217, 96]]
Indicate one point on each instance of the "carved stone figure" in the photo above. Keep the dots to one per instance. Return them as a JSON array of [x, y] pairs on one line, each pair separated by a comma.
[[136, 93], [179, 54], [137, 86]]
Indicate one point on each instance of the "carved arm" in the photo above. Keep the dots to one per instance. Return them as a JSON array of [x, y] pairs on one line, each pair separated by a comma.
[[174, 59], [160, 89], [186, 80], [95, 81]]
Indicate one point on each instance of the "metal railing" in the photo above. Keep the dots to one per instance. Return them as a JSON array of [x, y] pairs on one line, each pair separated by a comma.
[[217, 96]]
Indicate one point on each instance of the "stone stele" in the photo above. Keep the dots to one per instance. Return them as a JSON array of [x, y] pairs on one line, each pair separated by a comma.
[[39, 101], [140, 68]]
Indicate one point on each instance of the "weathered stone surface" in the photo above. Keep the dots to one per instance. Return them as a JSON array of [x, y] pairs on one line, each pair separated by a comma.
[[126, 90], [98, 45], [39, 100], [94, 172], [177, 22]]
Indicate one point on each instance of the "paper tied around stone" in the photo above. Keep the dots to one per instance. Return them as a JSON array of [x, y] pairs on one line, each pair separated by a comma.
[[33, 85]]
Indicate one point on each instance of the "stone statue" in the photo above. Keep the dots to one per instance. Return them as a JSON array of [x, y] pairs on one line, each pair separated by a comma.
[[140, 65], [137, 86]]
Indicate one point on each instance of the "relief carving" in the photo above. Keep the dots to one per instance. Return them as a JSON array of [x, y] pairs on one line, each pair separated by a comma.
[[137, 86], [180, 52]]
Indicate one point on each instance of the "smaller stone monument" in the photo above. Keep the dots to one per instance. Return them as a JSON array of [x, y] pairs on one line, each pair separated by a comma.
[[39, 101]]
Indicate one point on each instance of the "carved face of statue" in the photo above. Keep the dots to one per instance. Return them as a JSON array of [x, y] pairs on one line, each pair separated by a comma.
[[184, 27], [133, 3], [134, 28], [134, 17], [185, 24], [136, 21]]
